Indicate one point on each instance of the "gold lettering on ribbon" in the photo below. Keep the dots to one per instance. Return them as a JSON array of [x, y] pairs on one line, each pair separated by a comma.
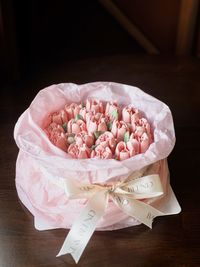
[[83, 229], [84, 226], [76, 244], [139, 187], [86, 188], [90, 214], [122, 201]]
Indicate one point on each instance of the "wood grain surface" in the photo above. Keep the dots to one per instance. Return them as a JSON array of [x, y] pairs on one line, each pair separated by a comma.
[[174, 240]]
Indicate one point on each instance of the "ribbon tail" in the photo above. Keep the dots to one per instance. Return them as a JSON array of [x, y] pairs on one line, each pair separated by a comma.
[[139, 210], [84, 226]]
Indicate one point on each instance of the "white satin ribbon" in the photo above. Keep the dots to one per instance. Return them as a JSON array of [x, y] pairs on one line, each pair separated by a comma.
[[126, 195]]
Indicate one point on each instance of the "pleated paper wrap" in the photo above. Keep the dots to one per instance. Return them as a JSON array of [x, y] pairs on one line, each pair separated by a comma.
[[40, 164]]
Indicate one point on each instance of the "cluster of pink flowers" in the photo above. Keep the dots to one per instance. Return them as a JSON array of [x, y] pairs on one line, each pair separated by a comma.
[[99, 130]]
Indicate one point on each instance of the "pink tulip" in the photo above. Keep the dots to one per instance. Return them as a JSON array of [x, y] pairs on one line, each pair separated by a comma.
[[139, 130], [95, 123], [119, 128], [102, 152], [60, 142], [59, 117], [144, 143], [130, 115], [84, 138], [70, 138], [76, 127], [79, 152], [122, 152], [72, 110], [107, 140], [57, 136], [83, 113], [112, 107], [143, 122], [95, 106], [133, 144], [141, 126]]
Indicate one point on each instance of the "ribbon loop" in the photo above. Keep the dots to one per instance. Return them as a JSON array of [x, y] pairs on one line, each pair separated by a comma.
[[126, 195]]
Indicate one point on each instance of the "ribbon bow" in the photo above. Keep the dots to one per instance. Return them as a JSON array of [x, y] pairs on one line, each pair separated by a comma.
[[126, 195]]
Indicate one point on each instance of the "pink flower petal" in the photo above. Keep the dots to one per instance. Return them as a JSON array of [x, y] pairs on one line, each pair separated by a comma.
[[124, 155]]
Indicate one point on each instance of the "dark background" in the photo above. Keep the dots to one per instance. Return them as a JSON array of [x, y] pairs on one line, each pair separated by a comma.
[[66, 31], [45, 33], [37, 34]]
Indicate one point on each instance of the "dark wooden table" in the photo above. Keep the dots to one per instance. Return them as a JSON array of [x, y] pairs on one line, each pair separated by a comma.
[[174, 240]]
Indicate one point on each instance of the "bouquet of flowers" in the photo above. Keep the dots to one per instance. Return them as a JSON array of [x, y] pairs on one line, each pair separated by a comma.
[[94, 157], [94, 129]]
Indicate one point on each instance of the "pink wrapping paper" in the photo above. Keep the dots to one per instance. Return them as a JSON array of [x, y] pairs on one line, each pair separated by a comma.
[[40, 163]]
